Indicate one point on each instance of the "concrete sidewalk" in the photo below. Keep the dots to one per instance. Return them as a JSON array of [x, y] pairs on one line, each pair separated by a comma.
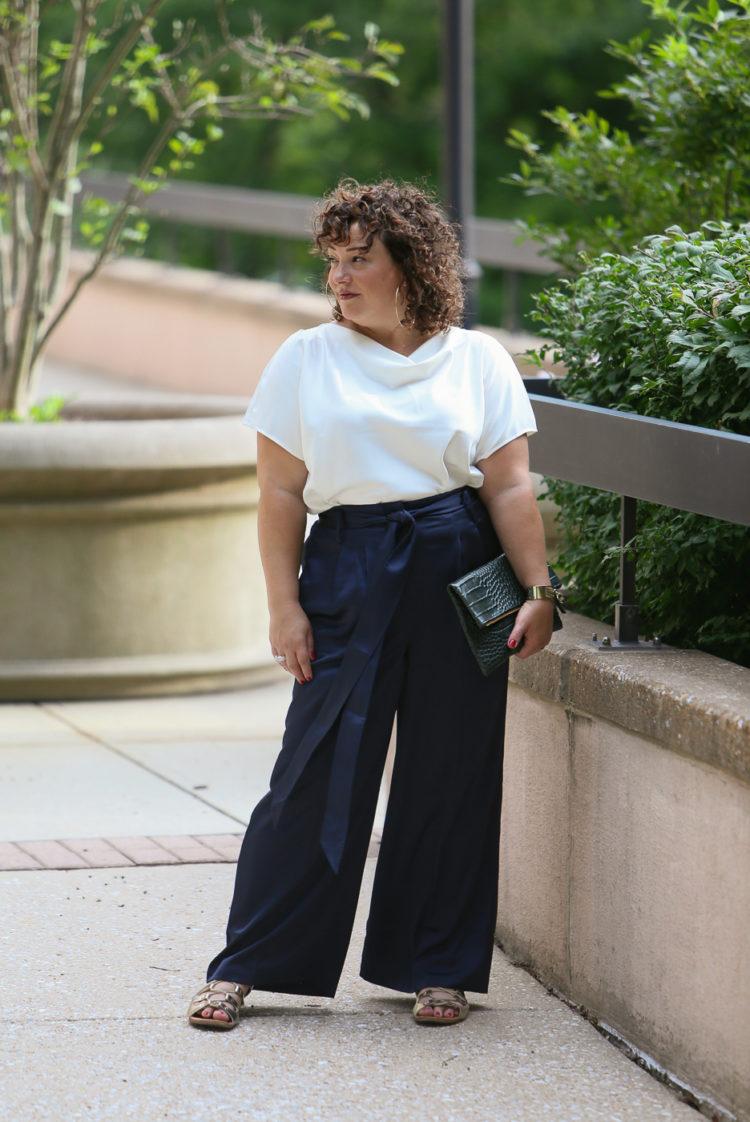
[[127, 814]]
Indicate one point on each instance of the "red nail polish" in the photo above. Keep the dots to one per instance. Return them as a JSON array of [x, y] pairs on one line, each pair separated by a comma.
[[511, 642]]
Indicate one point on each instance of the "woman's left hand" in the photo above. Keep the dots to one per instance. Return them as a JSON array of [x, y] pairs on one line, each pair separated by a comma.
[[533, 626]]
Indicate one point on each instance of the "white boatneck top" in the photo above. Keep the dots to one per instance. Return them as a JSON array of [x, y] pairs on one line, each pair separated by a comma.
[[373, 425]]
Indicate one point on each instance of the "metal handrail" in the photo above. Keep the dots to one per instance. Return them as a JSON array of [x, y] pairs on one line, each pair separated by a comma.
[[695, 469], [701, 470]]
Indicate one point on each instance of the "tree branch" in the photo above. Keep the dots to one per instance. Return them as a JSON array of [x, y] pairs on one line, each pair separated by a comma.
[[28, 313], [5, 302], [72, 79], [21, 111], [30, 40], [61, 238], [21, 236], [165, 85], [129, 203], [118, 56]]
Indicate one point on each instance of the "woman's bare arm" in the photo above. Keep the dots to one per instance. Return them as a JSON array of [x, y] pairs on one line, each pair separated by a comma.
[[282, 518], [508, 494]]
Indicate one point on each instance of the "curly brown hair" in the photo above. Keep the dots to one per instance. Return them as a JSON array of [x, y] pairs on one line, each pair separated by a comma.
[[416, 233]]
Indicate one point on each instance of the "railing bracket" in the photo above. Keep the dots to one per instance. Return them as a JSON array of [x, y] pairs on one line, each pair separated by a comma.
[[637, 646]]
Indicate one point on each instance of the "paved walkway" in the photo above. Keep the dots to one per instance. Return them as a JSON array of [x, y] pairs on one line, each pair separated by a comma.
[[119, 827]]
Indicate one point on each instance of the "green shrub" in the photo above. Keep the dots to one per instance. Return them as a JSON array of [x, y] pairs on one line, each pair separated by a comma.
[[659, 325], [686, 158], [663, 331]]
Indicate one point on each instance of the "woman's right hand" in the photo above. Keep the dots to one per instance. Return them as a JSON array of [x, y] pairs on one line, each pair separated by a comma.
[[282, 517], [291, 636]]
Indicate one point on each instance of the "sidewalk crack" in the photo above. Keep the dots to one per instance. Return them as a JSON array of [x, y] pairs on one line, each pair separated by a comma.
[[71, 724]]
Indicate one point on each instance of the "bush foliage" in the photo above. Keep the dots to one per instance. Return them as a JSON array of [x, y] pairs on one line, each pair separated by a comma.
[[663, 331], [686, 157], [657, 320]]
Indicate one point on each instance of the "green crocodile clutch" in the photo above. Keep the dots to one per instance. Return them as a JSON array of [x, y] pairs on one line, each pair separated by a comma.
[[487, 601]]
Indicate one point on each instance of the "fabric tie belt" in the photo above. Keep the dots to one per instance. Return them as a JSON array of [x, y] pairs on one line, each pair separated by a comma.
[[350, 693]]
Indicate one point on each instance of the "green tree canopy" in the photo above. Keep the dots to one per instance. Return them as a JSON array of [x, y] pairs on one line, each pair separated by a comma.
[[528, 57]]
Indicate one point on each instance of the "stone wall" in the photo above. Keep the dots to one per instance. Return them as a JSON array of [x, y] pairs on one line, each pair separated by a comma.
[[625, 853]]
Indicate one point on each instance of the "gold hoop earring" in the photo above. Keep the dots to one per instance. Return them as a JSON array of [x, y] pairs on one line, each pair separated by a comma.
[[329, 293], [401, 322]]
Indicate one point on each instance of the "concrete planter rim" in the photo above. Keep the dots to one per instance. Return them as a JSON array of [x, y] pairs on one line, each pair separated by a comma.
[[121, 449], [93, 437]]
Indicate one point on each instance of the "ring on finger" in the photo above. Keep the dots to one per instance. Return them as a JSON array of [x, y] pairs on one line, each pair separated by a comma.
[[279, 658]]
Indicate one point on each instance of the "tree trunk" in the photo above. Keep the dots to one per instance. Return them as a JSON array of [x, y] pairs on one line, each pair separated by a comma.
[[18, 393]]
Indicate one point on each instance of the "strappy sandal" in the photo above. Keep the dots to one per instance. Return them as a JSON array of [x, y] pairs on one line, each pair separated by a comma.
[[448, 998], [209, 997]]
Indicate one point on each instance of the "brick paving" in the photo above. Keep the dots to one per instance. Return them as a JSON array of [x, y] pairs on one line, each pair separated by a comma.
[[109, 853], [114, 853]]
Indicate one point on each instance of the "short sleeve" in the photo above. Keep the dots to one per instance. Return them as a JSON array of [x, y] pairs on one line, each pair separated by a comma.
[[274, 409], [507, 409]]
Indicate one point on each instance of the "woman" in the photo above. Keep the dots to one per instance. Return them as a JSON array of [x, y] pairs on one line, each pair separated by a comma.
[[407, 436]]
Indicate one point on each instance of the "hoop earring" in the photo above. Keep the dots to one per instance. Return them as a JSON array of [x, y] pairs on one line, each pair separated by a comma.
[[329, 293], [401, 322]]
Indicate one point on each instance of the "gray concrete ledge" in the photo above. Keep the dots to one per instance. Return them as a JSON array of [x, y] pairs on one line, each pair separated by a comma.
[[86, 456], [688, 701], [137, 676]]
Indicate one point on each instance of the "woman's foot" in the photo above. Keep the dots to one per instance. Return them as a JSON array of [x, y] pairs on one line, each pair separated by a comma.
[[217, 1005], [439, 1005]]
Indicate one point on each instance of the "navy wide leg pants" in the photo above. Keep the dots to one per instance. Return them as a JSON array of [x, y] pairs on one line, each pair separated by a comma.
[[387, 642]]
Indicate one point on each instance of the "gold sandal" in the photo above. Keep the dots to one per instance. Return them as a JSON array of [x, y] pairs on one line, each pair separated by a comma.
[[209, 997], [439, 995]]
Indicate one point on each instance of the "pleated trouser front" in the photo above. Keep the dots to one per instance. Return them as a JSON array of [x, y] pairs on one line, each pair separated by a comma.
[[387, 642]]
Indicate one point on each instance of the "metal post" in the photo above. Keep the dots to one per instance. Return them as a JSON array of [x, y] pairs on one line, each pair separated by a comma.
[[511, 317], [626, 609], [458, 147]]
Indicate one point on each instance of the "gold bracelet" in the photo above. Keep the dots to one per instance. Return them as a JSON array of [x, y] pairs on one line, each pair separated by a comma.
[[541, 592]]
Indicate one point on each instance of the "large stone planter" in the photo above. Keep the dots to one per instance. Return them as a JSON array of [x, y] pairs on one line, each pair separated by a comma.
[[128, 556]]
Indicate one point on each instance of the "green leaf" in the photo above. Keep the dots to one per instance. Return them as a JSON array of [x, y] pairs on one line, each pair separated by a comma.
[[133, 235], [325, 23]]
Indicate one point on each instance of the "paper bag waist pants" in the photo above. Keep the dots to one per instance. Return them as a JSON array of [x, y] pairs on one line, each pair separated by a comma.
[[387, 643]]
